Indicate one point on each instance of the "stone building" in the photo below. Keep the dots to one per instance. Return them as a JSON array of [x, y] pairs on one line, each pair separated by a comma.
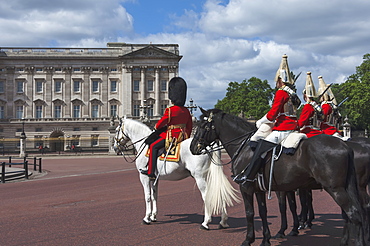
[[61, 97]]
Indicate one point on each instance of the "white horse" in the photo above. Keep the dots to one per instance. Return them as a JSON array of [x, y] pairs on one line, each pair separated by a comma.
[[216, 190]]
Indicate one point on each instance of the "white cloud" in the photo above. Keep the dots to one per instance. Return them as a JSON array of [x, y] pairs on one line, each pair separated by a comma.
[[63, 23], [227, 41]]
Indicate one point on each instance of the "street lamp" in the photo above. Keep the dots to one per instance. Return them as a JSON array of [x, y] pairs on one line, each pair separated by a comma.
[[192, 106], [22, 152], [148, 105]]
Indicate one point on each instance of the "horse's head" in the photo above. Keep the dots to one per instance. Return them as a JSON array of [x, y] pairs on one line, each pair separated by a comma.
[[120, 138], [205, 134]]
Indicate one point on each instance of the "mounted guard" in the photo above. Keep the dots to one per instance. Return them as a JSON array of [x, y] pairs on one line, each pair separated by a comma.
[[276, 125], [311, 112], [329, 109], [174, 126]]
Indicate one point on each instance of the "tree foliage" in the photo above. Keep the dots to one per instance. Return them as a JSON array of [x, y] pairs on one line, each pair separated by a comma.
[[357, 88], [251, 97]]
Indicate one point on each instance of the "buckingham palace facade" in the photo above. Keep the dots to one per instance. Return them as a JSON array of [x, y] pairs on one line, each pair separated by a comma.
[[59, 97]]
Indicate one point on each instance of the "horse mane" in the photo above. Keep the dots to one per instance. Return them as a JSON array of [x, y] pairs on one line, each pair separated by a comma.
[[234, 121], [136, 127]]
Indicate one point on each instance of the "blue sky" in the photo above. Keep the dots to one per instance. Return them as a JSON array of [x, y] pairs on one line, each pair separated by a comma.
[[220, 41], [154, 16]]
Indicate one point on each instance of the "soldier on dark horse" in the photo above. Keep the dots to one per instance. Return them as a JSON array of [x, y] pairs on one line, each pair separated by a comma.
[[277, 124]]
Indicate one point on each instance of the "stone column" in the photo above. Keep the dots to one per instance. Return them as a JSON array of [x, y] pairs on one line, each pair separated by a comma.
[[142, 89], [22, 146], [112, 133], [157, 89]]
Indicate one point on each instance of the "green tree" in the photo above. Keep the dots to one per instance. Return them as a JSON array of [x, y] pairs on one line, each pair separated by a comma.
[[357, 88], [251, 97]]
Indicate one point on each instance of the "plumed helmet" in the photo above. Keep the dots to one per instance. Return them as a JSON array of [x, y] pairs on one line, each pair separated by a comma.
[[283, 72], [328, 95], [309, 89], [177, 91]]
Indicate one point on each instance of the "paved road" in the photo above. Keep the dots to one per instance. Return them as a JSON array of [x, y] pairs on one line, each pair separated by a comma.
[[99, 201]]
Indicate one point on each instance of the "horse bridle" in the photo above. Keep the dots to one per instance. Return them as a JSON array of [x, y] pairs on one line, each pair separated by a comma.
[[209, 126], [124, 146]]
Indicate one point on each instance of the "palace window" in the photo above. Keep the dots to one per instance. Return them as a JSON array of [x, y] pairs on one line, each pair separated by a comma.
[[19, 112], [113, 86], [150, 111], [150, 85], [2, 85], [76, 111], [38, 112], [163, 85], [58, 111], [20, 86], [38, 86], [2, 112], [136, 110], [76, 86], [95, 86], [113, 110], [58, 86], [95, 111], [136, 85]]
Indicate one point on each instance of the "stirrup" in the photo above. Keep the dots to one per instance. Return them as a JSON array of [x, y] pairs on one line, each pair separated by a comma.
[[146, 173], [241, 179]]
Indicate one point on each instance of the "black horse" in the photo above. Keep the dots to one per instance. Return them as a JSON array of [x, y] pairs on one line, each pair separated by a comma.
[[321, 161], [361, 149]]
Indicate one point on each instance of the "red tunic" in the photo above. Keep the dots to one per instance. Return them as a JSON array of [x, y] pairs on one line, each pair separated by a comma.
[[327, 128], [304, 121], [177, 117], [283, 122]]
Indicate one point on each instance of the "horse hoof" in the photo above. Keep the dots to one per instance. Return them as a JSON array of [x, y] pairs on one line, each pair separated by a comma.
[[308, 226], [293, 233], [279, 235], [265, 244], [203, 228], [145, 222], [245, 243], [223, 227]]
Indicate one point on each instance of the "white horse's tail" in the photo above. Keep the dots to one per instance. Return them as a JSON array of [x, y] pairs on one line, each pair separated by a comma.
[[220, 193]]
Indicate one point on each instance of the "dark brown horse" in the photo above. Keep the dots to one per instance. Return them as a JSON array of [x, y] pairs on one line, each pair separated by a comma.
[[319, 161], [361, 149]]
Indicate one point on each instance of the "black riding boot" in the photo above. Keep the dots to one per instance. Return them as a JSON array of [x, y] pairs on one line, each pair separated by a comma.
[[249, 173]]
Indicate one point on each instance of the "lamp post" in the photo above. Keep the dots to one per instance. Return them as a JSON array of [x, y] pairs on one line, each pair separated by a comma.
[[191, 106], [346, 128], [148, 105], [23, 137]]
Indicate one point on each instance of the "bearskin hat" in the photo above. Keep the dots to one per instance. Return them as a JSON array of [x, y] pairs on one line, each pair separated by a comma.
[[177, 91]]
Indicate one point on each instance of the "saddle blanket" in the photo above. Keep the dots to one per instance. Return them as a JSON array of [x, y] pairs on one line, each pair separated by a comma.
[[173, 155], [293, 140]]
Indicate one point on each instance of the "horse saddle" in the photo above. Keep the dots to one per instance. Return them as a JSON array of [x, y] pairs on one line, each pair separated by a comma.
[[291, 142], [172, 155]]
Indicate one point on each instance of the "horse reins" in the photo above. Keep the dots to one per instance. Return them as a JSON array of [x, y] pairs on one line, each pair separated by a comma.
[[126, 147], [246, 139]]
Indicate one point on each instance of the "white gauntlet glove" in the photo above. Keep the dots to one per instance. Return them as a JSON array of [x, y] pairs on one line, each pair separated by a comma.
[[262, 121]]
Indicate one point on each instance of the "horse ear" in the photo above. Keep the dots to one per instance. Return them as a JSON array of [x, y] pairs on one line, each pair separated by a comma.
[[203, 111]]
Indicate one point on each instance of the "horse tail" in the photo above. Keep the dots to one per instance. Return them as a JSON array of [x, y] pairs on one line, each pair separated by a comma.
[[351, 185], [220, 193], [352, 190]]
